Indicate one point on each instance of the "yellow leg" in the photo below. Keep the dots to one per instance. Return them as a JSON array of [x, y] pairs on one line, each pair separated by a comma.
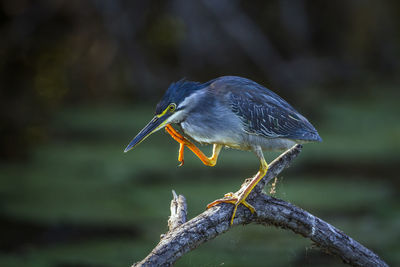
[[209, 161], [241, 199]]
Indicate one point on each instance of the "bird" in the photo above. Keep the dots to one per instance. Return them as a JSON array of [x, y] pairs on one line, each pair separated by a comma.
[[233, 112]]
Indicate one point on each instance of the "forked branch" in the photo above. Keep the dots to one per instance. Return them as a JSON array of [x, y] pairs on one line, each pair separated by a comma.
[[186, 236]]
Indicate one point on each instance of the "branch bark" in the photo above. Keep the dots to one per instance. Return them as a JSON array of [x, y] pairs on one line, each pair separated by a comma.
[[178, 211], [186, 236]]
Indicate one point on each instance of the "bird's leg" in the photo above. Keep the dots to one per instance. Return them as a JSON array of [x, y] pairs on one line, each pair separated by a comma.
[[209, 161], [180, 155], [180, 139], [241, 199]]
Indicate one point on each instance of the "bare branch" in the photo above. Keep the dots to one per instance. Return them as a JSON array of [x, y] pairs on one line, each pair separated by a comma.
[[178, 211], [270, 211]]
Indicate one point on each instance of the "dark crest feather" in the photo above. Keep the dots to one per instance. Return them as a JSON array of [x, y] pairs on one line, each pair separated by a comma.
[[176, 93]]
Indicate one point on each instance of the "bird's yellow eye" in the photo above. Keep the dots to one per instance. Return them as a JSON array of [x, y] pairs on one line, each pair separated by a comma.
[[172, 107]]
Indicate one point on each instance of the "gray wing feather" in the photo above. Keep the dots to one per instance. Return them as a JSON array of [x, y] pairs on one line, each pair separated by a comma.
[[271, 121], [262, 112]]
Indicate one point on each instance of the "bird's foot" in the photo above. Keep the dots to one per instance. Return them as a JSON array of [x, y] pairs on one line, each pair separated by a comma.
[[181, 140], [247, 181], [177, 136], [235, 200], [180, 156]]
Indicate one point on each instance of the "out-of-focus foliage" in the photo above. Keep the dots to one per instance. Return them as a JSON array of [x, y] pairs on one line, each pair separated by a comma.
[[78, 79]]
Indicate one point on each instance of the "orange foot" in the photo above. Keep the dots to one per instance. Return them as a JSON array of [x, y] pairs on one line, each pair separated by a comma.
[[232, 199], [183, 141], [241, 199]]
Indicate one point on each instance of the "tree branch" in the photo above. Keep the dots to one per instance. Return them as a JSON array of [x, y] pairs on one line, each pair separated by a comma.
[[185, 237], [178, 211]]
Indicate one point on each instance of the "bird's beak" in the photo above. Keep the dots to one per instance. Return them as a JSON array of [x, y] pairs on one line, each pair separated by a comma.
[[153, 126]]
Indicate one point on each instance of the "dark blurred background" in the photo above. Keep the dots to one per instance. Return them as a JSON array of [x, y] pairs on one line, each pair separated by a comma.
[[79, 79]]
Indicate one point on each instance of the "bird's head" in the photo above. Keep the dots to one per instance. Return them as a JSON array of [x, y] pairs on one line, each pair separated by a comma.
[[173, 108]]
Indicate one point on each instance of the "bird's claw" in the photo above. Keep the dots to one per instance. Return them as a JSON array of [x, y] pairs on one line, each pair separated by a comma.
[[235, 200], [181, 140], [229, 195], [180, 155]]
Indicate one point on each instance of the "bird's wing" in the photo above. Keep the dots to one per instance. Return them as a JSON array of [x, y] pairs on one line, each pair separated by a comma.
[[263, 112]]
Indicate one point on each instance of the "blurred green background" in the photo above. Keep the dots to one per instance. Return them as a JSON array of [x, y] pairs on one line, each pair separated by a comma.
[[79, 79]]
